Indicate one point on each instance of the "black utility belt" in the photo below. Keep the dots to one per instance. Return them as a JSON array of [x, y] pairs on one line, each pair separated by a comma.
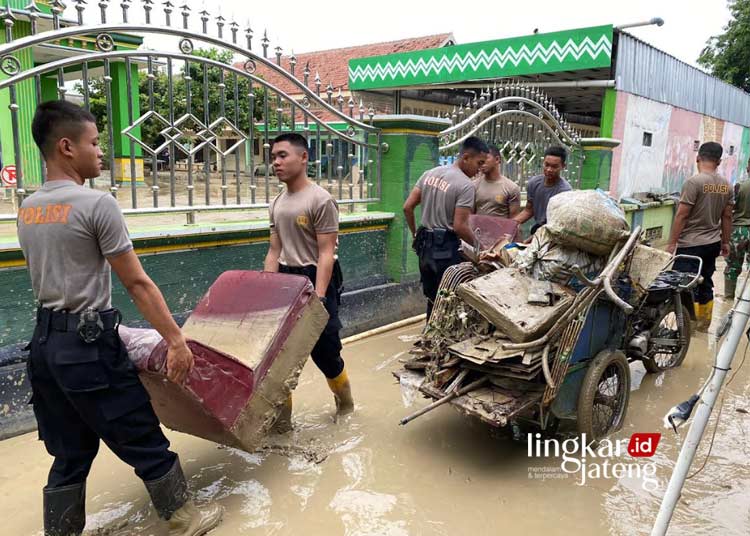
[[89, 324]]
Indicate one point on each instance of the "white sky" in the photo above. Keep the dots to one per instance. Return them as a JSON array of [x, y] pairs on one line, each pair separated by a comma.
[[308, 25]]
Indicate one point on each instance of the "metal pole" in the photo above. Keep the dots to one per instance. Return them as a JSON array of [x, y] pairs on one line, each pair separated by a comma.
[[702, 413]]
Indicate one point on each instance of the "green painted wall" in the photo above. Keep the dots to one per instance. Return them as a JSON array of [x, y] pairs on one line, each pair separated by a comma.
[[597, 168], [49, 89], [184, 276], [608, 113], [412, 150], [29, 160], [120, 117]]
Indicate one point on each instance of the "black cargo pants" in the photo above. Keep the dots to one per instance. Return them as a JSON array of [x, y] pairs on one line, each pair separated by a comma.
[[84, 392], [327, 351], [437, 250]]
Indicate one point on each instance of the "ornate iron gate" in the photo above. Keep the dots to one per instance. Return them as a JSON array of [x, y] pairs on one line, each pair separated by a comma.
[[522, 121], [210, 134]]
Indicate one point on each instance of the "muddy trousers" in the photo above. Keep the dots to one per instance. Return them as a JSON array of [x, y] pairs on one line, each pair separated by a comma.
[[327, 351], [81, 394], [704, 292], [739, 244]]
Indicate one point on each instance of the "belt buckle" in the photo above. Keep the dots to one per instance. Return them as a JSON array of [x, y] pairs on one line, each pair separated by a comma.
[[90, 326]]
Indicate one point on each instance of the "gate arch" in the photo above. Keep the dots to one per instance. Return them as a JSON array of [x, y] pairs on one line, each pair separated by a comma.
[[218, 173], [522, 121]]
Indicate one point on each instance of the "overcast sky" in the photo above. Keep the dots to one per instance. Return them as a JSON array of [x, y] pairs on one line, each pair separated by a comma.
[[316, 25]]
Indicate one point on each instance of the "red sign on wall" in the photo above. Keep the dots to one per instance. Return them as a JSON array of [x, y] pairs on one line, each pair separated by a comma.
[[8, 176]]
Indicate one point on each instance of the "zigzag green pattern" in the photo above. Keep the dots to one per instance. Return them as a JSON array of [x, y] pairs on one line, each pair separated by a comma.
[[471, 61]]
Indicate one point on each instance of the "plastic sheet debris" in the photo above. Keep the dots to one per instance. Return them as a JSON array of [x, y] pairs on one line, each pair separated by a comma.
[[410, 383], [546, 259]]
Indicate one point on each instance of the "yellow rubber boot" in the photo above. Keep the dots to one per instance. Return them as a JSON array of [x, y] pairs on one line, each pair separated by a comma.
[[283, 422], [708, 313], [342, 393]]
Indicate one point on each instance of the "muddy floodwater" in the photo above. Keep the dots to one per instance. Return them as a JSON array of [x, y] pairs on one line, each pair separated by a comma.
[[443, 474]]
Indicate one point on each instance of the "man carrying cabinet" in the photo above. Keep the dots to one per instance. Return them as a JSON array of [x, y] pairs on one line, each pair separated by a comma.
[[304, 222], [85, 389]]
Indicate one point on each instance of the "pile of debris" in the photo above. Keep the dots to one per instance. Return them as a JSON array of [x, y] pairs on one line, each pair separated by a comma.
[[501, 322]]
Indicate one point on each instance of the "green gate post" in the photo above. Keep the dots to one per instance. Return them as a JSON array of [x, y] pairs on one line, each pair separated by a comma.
[[120, 121], [412, 149], [31, 163], [597, 163]]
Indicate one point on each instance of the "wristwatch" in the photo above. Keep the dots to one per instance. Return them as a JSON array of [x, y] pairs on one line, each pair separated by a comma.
[[323, 300]]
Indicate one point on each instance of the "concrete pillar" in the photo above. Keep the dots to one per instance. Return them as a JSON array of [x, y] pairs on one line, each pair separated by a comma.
[[412, 149], [597, 163]]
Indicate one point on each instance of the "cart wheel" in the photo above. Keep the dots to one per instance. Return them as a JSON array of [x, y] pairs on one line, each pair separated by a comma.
[[603, 400], [659, 358]]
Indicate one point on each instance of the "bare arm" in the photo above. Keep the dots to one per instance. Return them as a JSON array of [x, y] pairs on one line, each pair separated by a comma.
[[683, 212], [271, 262], [326, 259], [726, 229], [414, 199], [461, 225], [514, 210], [526, 214], [150, 302]]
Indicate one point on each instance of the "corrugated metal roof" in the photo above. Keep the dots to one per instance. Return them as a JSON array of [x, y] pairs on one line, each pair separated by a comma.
[[648, 72]]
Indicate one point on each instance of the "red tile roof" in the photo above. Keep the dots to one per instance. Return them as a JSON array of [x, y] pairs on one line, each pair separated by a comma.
[[333, 65]]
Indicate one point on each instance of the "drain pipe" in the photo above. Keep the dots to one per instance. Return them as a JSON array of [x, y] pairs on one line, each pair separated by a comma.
[[737, 325]]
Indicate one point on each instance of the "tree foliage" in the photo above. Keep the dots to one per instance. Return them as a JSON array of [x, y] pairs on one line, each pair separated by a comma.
[[727, 55]]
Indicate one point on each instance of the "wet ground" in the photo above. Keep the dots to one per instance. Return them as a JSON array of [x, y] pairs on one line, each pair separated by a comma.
[[441, 475]]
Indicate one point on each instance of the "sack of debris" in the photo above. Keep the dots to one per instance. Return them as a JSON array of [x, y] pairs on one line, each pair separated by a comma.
[[589, 220], [548, 260]]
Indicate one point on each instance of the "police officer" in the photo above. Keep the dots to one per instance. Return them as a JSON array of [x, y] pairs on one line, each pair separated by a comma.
[[85, 389], [446, 194], [304, 222], [496, 194], [702, 227]]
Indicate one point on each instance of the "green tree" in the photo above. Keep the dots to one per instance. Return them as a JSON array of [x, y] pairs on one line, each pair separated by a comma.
[[727, 56]]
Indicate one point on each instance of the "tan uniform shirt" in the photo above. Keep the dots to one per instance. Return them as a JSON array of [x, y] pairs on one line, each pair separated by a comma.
[[495, 198], [66, 232], [708, 194], [444, 189], [297, 218]]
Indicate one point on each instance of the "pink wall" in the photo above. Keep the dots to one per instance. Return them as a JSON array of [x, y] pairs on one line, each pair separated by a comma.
[[670, 159]]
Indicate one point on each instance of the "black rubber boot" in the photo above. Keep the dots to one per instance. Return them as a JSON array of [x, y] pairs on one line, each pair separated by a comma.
[[168, 493], [65, 510]]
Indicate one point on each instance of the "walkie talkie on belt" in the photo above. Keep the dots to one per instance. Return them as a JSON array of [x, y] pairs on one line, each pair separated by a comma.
[[90, 326]]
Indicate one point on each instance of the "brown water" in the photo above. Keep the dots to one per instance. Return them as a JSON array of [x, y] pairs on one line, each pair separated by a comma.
[[443, 474]]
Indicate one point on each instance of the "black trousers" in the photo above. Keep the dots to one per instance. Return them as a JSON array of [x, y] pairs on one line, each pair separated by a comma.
[[327, 351], [437, 251], [704, 292], [84, 393]]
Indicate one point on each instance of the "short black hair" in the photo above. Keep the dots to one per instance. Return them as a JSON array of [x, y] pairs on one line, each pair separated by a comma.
[[474, 145], [58, 119], [493, 150], [558, 151], [293, 139], [710, 151]]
